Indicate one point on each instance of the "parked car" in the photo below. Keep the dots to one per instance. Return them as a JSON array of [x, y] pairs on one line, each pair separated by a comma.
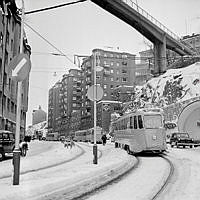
[[181, 139], [7, 144]]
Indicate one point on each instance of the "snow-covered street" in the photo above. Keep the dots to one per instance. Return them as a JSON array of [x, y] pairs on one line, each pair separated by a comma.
[[66, 174], [61, 173]]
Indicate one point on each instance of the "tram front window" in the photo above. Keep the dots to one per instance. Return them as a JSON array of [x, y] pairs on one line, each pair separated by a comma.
[[152, 121]]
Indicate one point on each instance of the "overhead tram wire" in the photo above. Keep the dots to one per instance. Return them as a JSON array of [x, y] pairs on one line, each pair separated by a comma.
[[54, 7], [50, 43]]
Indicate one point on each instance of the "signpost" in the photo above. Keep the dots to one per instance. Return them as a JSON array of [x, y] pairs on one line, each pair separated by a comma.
[[95, 93], [21, 66]]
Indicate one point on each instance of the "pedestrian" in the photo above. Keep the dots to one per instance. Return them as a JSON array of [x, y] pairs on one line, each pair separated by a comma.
[[104, 138], [71, 143], [66, 143]]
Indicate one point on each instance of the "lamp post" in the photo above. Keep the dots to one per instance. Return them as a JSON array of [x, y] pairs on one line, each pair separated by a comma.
[[16, 152]]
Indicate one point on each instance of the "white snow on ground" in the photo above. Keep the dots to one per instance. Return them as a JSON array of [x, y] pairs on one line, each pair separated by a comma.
[[141, 183], [185, 184], [38, 184], [70, 179]]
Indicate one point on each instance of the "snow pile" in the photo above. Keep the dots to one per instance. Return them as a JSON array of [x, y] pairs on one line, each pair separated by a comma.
[[173, 86]]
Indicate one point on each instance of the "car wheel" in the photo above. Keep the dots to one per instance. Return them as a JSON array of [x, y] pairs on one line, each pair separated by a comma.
[[190, 146]]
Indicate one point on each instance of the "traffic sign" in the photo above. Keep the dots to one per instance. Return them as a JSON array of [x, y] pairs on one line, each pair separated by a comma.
[[21, 66], [91, 92]]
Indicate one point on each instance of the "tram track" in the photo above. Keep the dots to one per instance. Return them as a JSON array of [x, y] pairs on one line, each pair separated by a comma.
[[111, 182], [50, 166], [167, 181]]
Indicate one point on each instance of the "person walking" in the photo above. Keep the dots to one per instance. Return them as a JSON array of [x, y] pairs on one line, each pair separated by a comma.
[[71, 143], [104, 138]]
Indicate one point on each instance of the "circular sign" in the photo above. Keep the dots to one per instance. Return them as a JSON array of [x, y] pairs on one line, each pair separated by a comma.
[[21, 66], [91, 93]]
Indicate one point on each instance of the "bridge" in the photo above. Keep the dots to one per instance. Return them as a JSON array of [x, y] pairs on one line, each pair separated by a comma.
[[148, 26]]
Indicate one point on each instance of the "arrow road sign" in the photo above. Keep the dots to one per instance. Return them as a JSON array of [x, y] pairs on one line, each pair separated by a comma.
[[18, 67], [21, 66]]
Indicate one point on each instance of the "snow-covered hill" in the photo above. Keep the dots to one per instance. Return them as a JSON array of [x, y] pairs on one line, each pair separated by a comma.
[[174, 86]]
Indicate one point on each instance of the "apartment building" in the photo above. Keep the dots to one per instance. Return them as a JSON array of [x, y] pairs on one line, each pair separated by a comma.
[[118, 69], [65, 104], [54, 108], [10, 28], [38, 116]]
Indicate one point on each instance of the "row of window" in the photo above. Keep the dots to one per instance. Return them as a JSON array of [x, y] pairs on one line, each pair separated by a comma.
[[133, 122]]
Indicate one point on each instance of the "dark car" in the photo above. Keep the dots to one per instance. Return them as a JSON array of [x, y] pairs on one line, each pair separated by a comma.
[[7, 144], [181, 139]]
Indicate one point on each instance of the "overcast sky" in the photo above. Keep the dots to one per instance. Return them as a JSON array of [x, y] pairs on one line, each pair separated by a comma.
[[79, 28]]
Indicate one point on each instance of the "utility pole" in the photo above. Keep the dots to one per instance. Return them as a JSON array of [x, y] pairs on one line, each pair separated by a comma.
[[3, 62], [16, 152]]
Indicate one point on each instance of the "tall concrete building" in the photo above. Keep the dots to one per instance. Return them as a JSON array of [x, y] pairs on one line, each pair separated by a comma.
[[10, 28], [54, 108], [118, 70], [65, 103], [70, 101], [38, 116]]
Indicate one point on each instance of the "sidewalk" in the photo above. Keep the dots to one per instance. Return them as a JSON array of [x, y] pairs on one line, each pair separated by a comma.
[[70, 179]]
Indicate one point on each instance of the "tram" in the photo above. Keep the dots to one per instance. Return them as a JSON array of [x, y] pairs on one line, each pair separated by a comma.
[[81, 136], [88, 135], [141, 131], [98, 135]]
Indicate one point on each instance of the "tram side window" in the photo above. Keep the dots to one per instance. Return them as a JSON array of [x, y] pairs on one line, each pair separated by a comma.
[[140, 123], [135, 122], [131, 123]]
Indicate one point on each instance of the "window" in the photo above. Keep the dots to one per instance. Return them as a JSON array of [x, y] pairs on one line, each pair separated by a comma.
[[140, 123], [117, 71], [111, 79], [124, 79], [131, 123], [117, 64], [105, 94], [124, 71], [152, 121], [111, 63], [111, 71], [105, 86], [135, 122], [111, 86], [117, 79]]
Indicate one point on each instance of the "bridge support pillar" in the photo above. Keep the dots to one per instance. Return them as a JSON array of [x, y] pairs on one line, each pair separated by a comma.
[[160, 56]]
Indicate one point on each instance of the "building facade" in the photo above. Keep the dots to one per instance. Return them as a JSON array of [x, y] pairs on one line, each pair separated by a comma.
[[118, 69], [10, 28], [38, 116], [65, 104], [54, 108]]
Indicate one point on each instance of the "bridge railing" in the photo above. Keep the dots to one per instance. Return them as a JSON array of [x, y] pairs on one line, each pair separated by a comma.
[[151, 18]]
